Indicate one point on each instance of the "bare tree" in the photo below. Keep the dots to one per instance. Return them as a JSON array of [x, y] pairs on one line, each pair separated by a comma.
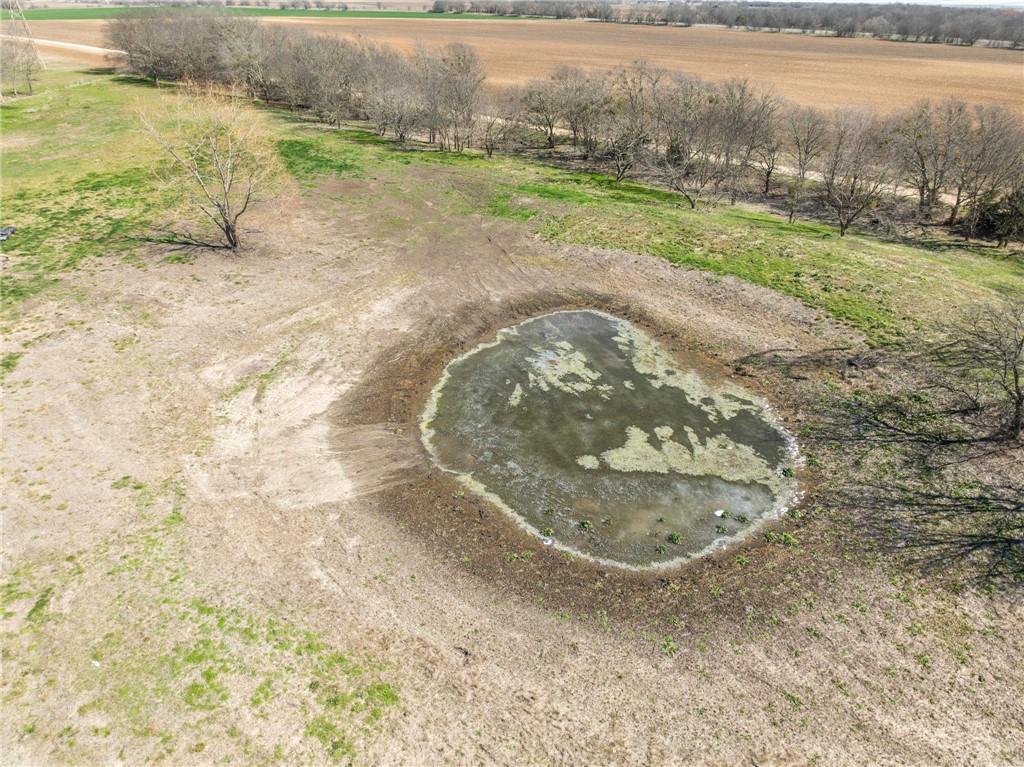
[[743, 118], [628, 125], [1004, 219], [991, 153], [689, 162], [806, 133], [315, 73], [143, 38], [246, 46], [200, 45], [387, 82], [852, 166], [19, 65], [926, 142], [582, 99], [264, 65], [983, 353], [163, 44], [463, 76], [621, 143], [221, 156], [429, 83], [769, 139], [945, 402], [502, 121], [541, 108], [450, 79]]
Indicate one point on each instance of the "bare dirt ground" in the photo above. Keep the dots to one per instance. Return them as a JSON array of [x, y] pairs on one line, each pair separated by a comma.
[[806, 69], [279, 389], [78, 54]]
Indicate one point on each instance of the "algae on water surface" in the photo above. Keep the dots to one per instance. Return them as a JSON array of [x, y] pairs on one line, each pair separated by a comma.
[[588, 434]]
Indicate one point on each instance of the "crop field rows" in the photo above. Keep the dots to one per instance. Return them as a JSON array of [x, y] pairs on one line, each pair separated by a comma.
[[805, 69]]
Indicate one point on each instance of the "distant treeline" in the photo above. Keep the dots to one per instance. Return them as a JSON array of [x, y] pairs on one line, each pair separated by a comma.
[[918, 23], [708, 141]]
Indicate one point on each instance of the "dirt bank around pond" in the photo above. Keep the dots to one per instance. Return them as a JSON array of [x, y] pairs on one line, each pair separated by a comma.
[[474, 535]]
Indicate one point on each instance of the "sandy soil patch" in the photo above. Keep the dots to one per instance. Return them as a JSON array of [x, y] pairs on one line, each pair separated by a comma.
[[54, 52]]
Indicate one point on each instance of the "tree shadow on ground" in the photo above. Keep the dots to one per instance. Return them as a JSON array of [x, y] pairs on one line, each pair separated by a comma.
[[184, 243], [917, 477], [968, 532]]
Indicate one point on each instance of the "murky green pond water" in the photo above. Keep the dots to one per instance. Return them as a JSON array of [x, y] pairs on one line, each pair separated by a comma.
[[589, 435]]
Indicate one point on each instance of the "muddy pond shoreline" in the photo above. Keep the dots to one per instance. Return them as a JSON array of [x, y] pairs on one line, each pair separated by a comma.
[[469, 533]]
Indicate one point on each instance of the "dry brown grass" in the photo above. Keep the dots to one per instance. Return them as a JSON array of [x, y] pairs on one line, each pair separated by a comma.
[[808, 70]]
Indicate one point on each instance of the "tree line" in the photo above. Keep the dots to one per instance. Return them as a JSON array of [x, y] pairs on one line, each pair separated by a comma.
[[709, 141], [915, 23], [1002, 27]]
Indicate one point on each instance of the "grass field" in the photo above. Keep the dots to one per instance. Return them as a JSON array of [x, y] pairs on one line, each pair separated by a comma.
[[806, 69], [885, 290], [212, 550], [73, 206]]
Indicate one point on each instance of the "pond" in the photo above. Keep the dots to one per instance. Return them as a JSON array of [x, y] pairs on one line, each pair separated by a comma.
[[591, 436]]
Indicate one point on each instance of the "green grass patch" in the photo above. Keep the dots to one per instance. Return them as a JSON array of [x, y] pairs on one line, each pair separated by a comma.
[[335, 740], [11, 592], [82, 196], [36, 613], [434, 157], [8, 362], [316, 158], [886, 290], [503, 206], [559, 192], [363, 136], [259, 380]]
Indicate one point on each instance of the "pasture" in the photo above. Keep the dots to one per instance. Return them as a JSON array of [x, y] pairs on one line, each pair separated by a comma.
[[223, 540]]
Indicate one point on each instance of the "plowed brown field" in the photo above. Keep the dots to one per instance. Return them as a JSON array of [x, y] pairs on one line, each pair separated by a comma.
[[808, 70]]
